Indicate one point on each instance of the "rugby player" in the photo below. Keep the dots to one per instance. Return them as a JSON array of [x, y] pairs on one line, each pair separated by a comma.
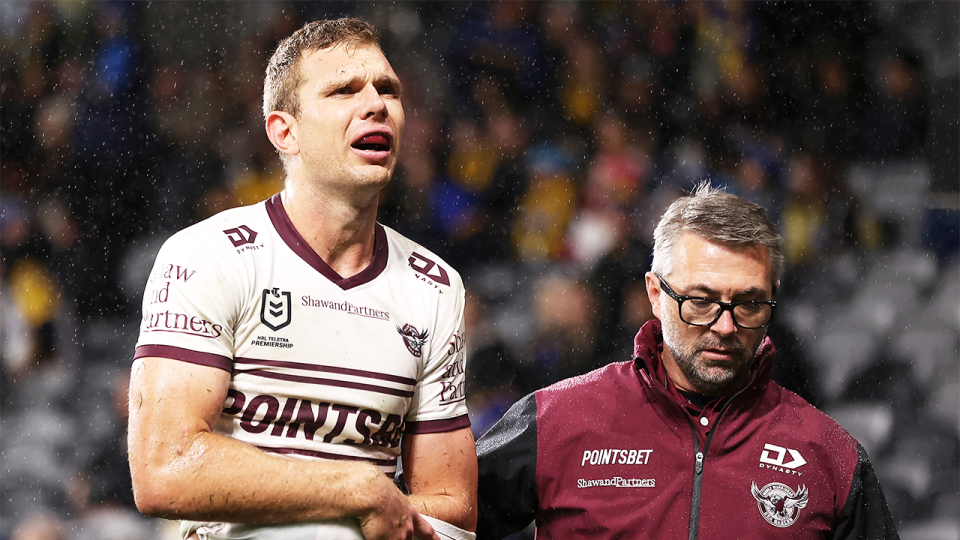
[[291, 352]]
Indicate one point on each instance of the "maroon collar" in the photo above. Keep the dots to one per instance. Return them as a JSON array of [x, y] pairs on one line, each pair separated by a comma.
[[648, 348], [283, 225]]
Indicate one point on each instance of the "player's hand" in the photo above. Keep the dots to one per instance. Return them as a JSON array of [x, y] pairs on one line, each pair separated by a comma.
[[391, 515]]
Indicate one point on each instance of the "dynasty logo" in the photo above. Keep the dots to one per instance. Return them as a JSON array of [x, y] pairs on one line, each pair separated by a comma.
[[275, 312], [428, 268], [413, 339], [778, 504], [241, 235], [776, 458]]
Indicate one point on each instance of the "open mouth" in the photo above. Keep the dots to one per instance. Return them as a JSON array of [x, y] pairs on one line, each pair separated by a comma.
[[375, 142]]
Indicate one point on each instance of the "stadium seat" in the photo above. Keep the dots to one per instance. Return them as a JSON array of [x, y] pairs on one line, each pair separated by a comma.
[[943, 529], [946, 298], [840, 353], [879, 307], [927, 350], [893, 192], [870, 422], [911, 474], [944, 403]]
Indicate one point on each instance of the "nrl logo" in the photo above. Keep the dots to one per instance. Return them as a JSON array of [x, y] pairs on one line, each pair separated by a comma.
[[778, 504], [275, 309], [413, 339]]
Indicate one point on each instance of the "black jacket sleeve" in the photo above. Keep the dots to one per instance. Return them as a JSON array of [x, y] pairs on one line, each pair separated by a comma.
[[507, 455], [865, 516]]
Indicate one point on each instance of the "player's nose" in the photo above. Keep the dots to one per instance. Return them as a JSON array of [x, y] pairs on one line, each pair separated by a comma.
[[372, 104]]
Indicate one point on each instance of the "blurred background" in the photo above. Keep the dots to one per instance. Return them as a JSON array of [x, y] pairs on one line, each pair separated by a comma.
[[543, 141]]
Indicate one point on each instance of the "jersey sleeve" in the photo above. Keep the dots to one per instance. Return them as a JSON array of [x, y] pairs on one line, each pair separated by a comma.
[[507, 485], [187, 314], [439, 403], [865, 514]]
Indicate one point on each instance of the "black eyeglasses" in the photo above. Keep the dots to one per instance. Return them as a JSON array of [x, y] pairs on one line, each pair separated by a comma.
[[698, 311]]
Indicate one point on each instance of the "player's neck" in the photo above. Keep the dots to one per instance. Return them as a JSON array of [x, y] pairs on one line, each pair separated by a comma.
[[341, 233]]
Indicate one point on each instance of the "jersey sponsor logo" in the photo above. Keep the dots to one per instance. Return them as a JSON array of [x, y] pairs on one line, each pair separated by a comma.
[[159, 293], [452, 392], [432, 270], [776, 458], [301, 418], [241, 235], [452, 387], [413, 339], [171, 272], [275, 309], [456, 343], [346, 307], [778, 504], [617, 481], [454, 369], [179, 323], [615, 456]]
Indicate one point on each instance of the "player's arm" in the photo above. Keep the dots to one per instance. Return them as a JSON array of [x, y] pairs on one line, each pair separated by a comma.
[[182, 469], [440, 470]]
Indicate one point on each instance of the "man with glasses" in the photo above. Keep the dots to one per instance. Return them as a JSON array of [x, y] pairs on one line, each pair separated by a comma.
[[692, 438]]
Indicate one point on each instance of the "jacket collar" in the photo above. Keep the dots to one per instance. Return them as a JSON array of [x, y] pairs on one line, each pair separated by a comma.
[[648, 348]]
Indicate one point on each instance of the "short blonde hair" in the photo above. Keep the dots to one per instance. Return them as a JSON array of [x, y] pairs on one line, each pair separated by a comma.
[[283, 75]]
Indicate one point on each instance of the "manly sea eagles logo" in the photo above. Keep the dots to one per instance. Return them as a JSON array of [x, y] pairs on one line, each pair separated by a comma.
[[275, 308], [779, 504], [413, 339]]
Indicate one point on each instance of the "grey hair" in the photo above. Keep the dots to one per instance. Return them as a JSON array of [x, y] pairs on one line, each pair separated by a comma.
[[719, 217]]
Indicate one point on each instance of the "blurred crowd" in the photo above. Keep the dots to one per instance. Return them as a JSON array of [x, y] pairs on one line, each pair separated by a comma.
[[543, 141]]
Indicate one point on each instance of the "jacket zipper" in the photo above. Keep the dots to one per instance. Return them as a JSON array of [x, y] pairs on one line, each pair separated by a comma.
[[693, 531], [694, 528]]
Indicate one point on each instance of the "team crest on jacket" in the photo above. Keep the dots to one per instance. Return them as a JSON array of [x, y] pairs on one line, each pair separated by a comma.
[[779, 504], [413, 339]]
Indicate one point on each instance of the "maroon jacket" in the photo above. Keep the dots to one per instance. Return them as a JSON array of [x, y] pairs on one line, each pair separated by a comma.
[[619, 453]]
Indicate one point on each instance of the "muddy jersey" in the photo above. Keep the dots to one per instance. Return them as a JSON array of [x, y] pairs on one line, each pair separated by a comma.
[[321, 366]]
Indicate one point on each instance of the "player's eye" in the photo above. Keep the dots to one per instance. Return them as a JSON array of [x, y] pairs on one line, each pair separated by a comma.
[[388, 90]]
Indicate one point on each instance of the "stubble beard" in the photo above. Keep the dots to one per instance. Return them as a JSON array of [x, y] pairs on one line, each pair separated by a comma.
[[708, 376]]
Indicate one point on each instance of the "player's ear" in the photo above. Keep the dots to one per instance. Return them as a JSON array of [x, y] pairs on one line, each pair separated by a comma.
[[283, 130], [653, 293]]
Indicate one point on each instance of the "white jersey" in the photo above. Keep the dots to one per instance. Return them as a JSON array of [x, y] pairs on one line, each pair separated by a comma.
[[321, 367]]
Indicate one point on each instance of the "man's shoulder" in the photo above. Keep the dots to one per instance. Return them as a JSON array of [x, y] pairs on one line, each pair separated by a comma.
[[612, 373], [802, 417], [612, 382], [426, 264], [225, 230]]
